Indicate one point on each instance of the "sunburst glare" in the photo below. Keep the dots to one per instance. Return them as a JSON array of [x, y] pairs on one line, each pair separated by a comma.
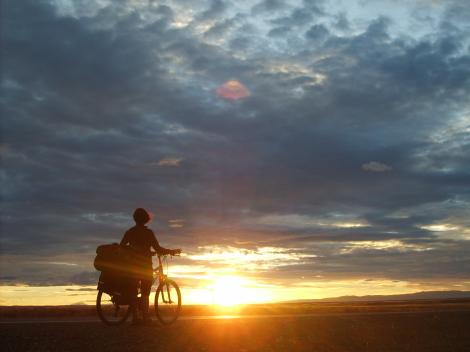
[[229, 291]]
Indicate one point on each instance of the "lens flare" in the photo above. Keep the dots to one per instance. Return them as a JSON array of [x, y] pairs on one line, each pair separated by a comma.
[[232, 90]]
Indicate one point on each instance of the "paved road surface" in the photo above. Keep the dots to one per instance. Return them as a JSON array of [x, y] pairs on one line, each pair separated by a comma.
[[429, 331], [224, 317]]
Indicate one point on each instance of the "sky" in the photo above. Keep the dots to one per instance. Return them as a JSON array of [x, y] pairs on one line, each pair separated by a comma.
[[292, 149]]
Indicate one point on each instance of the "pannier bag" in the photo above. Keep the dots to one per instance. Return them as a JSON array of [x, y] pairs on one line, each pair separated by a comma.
[[121, 261], [121, 288]]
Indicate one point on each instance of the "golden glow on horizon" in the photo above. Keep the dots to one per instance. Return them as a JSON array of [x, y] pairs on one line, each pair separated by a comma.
[[228, 276], [232, 290], [229, 291]]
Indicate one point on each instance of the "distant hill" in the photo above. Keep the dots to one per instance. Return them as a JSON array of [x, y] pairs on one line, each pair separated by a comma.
[[402, 297]]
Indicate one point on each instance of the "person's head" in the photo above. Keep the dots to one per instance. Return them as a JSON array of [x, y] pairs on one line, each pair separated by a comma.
[[141, 217]]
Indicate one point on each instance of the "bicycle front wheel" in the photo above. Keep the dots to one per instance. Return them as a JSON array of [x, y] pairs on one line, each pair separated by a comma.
[[167, 302], [109, 310]]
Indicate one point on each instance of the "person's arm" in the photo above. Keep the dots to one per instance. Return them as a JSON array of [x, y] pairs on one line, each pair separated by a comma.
[[125, 239], [161, 250]]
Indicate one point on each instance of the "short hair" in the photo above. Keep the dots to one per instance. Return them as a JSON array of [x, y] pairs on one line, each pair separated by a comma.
[[141, 216]]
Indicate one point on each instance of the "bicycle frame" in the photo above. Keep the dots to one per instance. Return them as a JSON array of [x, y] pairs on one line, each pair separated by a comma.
[[163, 278]]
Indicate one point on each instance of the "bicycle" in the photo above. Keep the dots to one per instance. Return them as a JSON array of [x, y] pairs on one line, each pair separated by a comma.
[[114, 307]]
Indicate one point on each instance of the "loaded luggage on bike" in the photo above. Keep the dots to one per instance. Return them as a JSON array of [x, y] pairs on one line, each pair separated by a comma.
[[120, 270]]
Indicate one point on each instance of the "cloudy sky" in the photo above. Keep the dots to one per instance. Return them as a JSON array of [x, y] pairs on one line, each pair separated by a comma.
[[307, 148]]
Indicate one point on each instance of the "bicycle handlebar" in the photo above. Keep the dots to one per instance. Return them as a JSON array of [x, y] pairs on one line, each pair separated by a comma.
[[164, 255]]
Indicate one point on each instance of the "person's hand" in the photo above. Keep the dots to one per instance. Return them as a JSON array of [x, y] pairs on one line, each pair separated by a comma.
[[176, 251]]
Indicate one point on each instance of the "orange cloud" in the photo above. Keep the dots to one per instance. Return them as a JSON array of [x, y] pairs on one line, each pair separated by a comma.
[[233, 90]]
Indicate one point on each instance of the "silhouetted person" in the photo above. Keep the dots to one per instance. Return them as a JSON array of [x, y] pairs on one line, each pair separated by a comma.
[[142, 239]]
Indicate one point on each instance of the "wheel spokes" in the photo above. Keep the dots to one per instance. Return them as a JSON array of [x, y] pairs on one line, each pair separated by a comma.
[[110, 310], [168, 302]]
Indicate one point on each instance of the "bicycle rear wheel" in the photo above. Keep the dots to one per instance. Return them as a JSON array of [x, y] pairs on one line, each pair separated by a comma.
[[109, 310], [167, 302]]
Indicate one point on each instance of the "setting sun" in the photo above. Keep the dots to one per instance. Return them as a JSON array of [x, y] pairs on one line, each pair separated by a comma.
[[229, 291]]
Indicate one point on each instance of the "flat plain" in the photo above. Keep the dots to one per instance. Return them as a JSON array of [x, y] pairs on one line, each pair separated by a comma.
[[366, 326]]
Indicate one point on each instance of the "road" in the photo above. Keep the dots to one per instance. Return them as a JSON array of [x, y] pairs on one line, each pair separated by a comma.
[[224, 317], [430, 331]]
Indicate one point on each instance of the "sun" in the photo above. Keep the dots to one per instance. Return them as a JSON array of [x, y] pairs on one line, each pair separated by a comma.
[[229, 291]]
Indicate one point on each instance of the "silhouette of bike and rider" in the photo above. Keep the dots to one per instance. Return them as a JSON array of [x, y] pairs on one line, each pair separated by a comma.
[[143, 240]]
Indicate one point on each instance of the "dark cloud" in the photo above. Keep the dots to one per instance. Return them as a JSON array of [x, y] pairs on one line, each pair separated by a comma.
[[279, 31], [93, 104], [217, 8], [268, 6], [297, 18], [315, 6], [342, 22], [84, 278], [317, 32]]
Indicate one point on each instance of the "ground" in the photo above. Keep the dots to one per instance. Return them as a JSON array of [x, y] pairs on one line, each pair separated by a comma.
[[431, 327]]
